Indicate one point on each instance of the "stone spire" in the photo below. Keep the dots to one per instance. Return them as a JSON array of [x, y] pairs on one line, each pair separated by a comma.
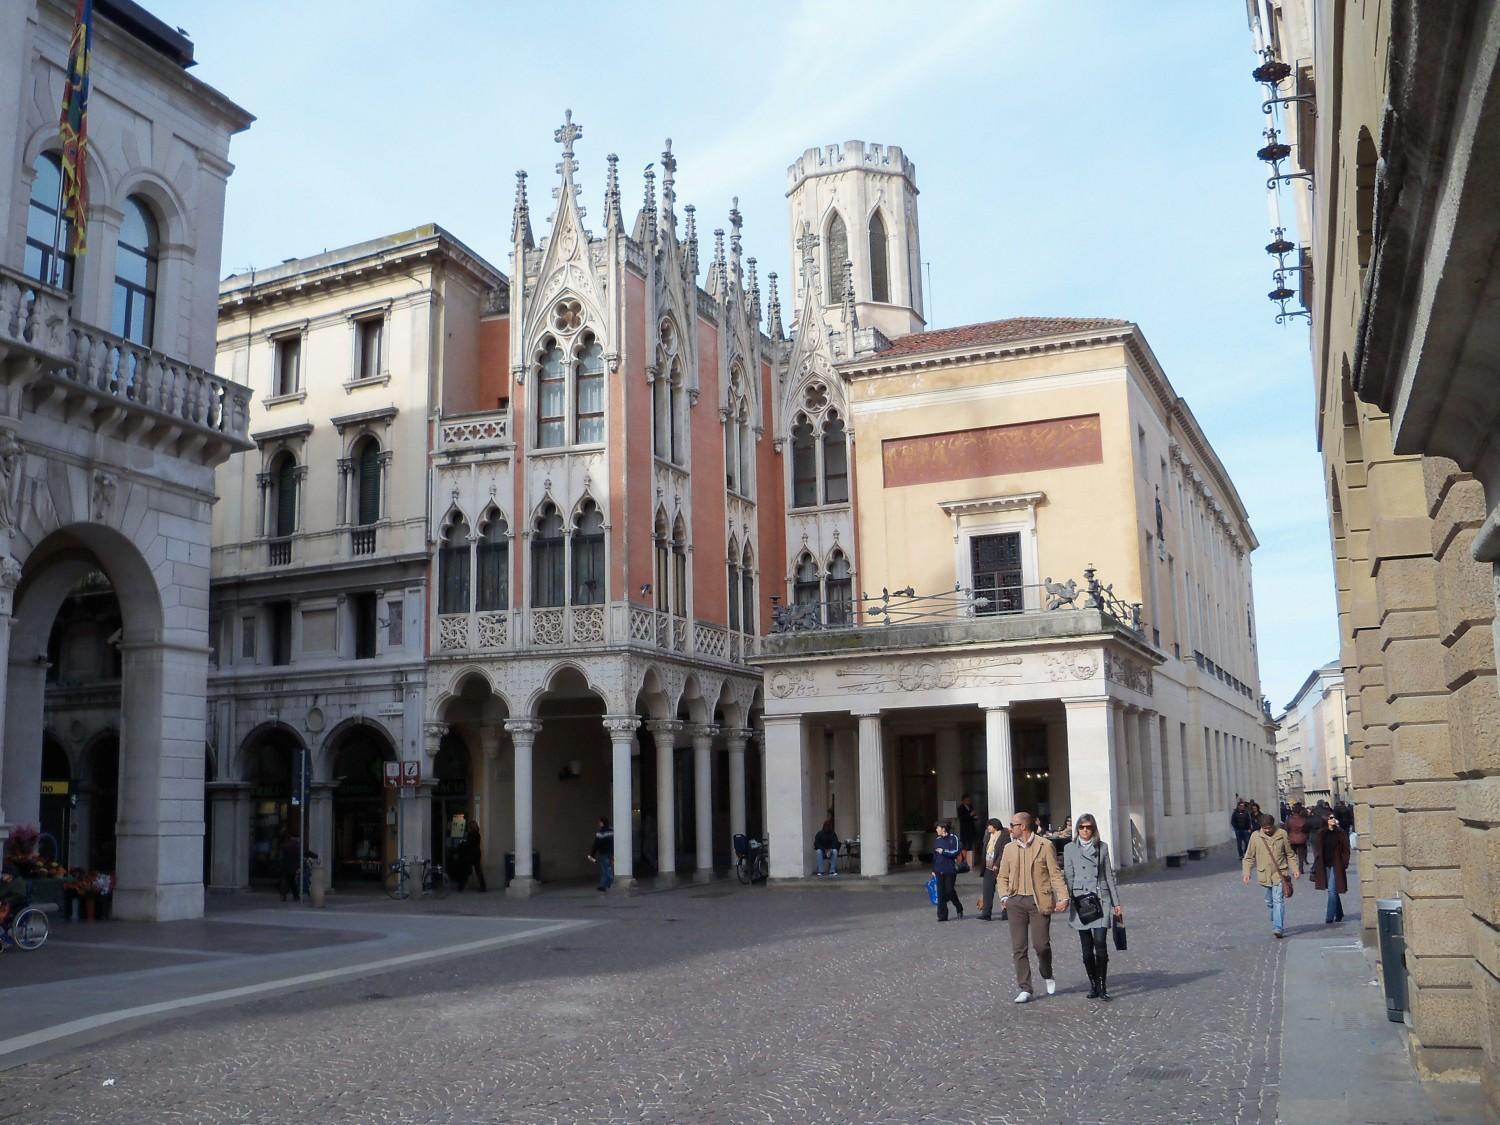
[[773, 310], [719, 271], [668, 188], [690, 240], [648, 209], [567, 190], [849, 318], [520, 223], [612, 221], [752, 288], [807, 245]]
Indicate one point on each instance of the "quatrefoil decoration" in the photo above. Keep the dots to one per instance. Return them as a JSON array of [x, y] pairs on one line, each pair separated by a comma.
[[567, 316], [816, 396]]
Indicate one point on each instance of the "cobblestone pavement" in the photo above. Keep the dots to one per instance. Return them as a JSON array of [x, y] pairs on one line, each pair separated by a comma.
[[726, 1004]]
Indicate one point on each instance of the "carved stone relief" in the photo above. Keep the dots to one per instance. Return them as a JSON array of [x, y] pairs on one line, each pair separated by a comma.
[[1127, 673], [1071, 666], [929, 675]]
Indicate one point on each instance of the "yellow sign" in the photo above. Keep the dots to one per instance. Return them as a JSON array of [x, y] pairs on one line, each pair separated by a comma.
[[54, 789]]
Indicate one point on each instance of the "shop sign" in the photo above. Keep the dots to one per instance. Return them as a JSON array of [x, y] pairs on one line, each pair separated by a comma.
[[54, 788], [452, 787]]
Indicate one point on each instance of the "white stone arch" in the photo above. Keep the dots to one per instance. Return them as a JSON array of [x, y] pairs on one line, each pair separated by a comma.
[[47, 138], [444, 702], [240, 758], [171, 212], [651, 694], [326, 753], [694, 701], [534, 701]]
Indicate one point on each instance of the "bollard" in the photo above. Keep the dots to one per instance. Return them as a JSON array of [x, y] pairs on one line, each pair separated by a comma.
[[317, 885], [1392, 957]]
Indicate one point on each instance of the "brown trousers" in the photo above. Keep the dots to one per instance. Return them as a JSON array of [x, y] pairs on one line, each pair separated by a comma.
[[1029, 924]]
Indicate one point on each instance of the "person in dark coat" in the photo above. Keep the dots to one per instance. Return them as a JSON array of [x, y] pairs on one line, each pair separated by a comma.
[[826, 850], [291, 867], [471, 851], [1240, 821], [968, 824], [1331, 873], [603, 853], [945, 866], [995, 839], [1087, 870]]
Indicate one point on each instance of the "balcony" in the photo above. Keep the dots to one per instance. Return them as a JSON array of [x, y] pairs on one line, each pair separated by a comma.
[[614, 625], [465, 433], [362, 540], [279, 551], [84, 376]]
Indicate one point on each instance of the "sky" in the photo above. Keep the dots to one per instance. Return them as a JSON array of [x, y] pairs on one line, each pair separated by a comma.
[[1074, 158]]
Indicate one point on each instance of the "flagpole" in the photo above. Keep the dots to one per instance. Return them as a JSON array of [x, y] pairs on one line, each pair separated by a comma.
[[57, 233]]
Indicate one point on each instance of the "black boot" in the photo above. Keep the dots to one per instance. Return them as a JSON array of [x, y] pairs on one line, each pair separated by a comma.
[[1104, 980], [1093, 985]]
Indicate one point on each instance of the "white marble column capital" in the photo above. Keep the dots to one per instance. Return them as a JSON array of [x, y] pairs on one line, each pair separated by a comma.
[[621, 728], [702, 735], [523, 731]]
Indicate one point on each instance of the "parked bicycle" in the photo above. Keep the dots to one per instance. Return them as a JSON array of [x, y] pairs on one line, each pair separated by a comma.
[[27, 928], [433, 881], [751, 861]]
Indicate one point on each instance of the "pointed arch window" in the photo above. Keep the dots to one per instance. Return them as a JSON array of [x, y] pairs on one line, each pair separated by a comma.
[[134, 312], [494, 562], [804, 464], [732, 433], [588, 555], [284, 500], [367, 472], [835, 460], [663, 549], [747, 589], [838, 258], [588, 401], [552, 396], [548, 558], [679, 568], [47, 258], [732, 583], [805, 585], [840, 590], [747, 449], [453, 567], [880, 277]]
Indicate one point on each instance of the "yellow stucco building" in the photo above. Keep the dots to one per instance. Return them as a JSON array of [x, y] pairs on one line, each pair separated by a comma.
[[998, 468]]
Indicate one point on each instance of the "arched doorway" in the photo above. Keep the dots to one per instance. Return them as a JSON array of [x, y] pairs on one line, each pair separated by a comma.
[[56, 820], [268, 770], [364, 812], [451, 796]]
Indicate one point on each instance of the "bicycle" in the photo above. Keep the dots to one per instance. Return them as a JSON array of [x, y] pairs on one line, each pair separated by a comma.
[[26, 929], [750, 865], [434, 881]]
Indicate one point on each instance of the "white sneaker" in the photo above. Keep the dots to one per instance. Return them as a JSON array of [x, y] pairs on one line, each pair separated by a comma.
[[1022, 997], [1051, 986]]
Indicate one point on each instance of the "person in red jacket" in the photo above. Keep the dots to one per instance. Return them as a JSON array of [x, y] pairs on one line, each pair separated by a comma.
[[1297, 826]]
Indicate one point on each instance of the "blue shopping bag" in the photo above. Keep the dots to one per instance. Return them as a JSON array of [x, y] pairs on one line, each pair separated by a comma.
[[932, 890]]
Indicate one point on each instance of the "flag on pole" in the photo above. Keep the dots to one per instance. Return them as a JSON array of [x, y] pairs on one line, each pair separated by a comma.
[[74, 129]]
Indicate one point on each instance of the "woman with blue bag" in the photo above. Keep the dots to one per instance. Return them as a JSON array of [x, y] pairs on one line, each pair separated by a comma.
[[945, 871]]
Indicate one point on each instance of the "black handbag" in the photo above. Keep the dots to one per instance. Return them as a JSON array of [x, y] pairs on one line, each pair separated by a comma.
[[1087, 905], [961, 868], [1119, 928]]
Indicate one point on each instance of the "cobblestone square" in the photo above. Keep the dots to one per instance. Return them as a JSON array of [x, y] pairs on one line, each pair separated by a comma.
[[724, 1003]]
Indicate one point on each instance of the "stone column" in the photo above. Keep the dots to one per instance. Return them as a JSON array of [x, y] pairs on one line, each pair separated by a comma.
[[228, 850], [10, 578], [523, 734], [1120, 783], [703, 809], [490, 742], [319, 827], [622, 730], [1152, 782], [874, 844], [999, 762], [26, 684], [1135, 785], [949, 773], [736, 737], [1092, 765], [786, 797], [664, 732]]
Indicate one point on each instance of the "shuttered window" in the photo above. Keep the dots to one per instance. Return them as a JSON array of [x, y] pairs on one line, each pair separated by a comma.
[[367, 467]]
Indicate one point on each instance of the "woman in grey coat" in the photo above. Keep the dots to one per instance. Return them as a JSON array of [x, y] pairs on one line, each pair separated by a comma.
[[1087, 870]]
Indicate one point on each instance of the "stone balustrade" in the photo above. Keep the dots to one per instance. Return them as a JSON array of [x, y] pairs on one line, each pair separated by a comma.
[[615, 625], [77, 370], [474, 431]]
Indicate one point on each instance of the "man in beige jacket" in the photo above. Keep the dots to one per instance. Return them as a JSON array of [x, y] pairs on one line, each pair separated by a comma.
[[1031, 890], [1271, 854]]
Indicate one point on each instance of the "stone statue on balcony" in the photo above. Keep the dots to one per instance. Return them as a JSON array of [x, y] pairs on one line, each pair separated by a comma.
[[1061, 594], [11, 454]]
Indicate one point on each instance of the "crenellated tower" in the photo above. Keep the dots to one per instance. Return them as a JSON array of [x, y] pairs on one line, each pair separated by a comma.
[[860, 200]]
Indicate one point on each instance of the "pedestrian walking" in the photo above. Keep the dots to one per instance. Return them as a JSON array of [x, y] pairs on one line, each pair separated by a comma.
[[1093, 900], [291, 867], [968, 824], [1240, 821], [826, 850], [995, 838], [1296, 831], [945, 866], [1031, 889], [1331, 846], [472, 851], [603, 853], [1275, 863]]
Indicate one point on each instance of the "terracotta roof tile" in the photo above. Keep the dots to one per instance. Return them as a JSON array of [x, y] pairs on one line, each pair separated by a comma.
[[996, 332]]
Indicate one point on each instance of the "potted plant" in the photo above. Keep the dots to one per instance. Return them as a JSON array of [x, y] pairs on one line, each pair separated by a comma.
[[914, 828]]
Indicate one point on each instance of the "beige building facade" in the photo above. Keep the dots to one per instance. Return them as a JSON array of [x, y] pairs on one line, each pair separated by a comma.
[[1312, 743], [1390, 114]]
